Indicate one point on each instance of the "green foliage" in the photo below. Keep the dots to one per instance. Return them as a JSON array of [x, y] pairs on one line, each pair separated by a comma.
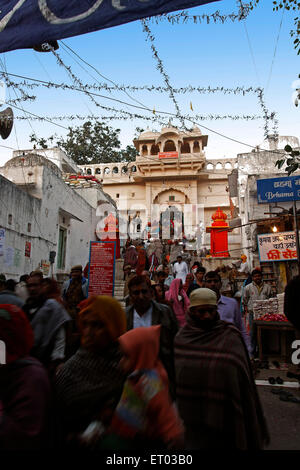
[[90, 143], [292, 160]]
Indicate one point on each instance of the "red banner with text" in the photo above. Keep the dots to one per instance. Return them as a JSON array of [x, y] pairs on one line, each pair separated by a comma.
[[102, 268]]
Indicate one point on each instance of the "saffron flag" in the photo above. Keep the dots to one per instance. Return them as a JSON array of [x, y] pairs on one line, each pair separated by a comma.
[[29, 23]]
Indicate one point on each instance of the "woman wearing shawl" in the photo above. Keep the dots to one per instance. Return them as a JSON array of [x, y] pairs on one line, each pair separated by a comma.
[[92, 377], [180, 301], [145, 416], [142, 261], [24, 386], [188, 281], [131, 256]]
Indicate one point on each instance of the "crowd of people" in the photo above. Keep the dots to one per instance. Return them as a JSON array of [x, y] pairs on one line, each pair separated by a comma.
[[170, 372]]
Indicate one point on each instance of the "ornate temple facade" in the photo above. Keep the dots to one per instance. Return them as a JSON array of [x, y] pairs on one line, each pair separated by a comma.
[[171, 178]]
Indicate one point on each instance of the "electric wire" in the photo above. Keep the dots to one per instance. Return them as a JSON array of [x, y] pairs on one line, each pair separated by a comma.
[[250, 46], [85, 104], [274, 54], [122, 102], [103, 76]]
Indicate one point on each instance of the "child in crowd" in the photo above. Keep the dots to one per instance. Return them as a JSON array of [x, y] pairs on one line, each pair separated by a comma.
[[145, 417]]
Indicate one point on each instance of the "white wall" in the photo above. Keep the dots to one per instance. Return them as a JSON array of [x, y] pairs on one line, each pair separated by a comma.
[[45, 216]]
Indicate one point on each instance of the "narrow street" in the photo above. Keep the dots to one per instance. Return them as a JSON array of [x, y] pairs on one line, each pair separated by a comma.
[[283, 417]]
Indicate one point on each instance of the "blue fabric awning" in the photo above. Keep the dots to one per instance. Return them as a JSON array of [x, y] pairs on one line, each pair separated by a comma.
[[28, 23]]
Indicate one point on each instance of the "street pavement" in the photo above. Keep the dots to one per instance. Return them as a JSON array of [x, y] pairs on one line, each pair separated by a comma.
[[283, 417]]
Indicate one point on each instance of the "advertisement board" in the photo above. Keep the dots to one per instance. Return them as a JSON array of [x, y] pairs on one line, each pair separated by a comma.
[[277, 246]]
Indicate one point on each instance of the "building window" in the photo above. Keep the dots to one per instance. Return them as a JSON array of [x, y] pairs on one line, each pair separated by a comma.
[[106, 170], [29, 227], [115, 170], [133, 169], [169, 146], [154, 149], [117, 195], [62, 245], [9, 219], [144, 150], [171, 198], [132, 194], [88, 171], [97, 171], [196, 147], [185, 148]]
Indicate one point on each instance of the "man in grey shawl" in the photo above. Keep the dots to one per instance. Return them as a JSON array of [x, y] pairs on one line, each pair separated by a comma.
[[48, 319]]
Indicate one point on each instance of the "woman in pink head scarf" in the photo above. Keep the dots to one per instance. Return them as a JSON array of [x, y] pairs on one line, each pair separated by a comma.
[[180, 301]]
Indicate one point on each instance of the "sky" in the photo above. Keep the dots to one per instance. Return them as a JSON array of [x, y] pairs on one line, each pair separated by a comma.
[[256, 52]]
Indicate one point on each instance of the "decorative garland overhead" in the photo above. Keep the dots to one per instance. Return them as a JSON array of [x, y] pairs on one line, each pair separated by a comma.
[[268, 117], [21, 99], [161, 69], [121, 114], [73, 77], [25, 97], [239, 90], [183, 17], [197, 117]]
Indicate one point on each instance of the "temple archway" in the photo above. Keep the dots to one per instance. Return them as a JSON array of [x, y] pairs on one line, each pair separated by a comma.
[[170, 213]]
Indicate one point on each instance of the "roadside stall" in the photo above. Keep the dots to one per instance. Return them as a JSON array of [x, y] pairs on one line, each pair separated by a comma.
[[269, 317]]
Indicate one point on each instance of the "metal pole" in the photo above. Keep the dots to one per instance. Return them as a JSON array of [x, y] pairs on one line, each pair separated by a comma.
[[297, 234]]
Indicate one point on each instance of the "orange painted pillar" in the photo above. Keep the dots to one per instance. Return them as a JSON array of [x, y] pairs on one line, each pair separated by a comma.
[[219, 235]]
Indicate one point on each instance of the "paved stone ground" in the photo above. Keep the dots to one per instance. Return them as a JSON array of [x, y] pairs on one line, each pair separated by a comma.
[[283, 418]]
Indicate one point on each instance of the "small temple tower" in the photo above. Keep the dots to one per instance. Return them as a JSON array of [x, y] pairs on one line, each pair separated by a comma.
[[219, 235]]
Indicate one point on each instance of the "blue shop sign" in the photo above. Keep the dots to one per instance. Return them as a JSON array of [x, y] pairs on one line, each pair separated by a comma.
[[278, 189]]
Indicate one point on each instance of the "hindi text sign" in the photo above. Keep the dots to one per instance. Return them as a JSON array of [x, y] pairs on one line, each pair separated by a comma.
[[102, 268], [168, 155], [277, 246]]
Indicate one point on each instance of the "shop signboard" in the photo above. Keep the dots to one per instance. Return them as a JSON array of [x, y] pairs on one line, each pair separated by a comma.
[[45, 267], [282, 189], [277, 246], [102, 268]]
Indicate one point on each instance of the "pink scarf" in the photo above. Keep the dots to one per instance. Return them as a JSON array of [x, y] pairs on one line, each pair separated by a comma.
[[180, 308]]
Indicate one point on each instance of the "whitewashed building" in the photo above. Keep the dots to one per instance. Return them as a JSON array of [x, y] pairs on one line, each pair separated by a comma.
[[40, 213]]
